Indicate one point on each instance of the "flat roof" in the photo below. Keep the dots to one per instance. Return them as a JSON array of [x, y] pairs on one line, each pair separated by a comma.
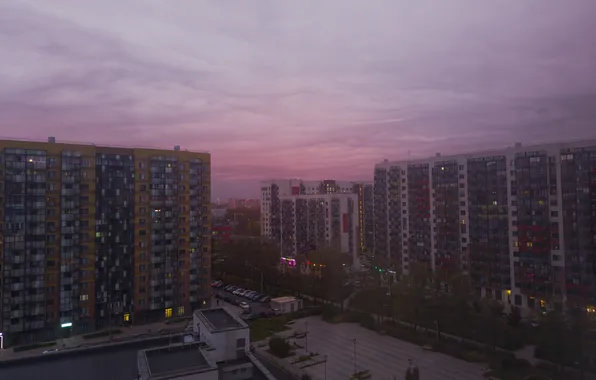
[[284, 299], [220, 319], [176, 359]]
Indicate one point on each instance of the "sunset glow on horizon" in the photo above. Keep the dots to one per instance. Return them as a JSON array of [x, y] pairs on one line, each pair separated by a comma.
[[312, 89]]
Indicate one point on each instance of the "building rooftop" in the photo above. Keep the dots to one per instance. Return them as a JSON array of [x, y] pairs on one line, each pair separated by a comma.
[[174, 360], [284, 299], [219, 319]]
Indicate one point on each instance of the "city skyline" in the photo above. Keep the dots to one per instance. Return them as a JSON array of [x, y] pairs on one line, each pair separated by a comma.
[[318, 90]]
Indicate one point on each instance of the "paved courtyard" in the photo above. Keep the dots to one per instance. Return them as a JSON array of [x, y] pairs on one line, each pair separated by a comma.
[[384, 356]]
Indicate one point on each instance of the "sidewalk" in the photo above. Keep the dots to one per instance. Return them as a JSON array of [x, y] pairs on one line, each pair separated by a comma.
[[72, 343]]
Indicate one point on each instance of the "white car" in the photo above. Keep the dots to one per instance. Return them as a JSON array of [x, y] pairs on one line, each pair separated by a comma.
[[50, 351]]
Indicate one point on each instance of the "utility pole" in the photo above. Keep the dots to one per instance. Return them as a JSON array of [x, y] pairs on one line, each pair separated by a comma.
[[326, 356]]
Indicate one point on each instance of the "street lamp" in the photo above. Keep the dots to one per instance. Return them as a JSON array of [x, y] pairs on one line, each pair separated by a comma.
[[354, 340], [2, 341], [306, 336]]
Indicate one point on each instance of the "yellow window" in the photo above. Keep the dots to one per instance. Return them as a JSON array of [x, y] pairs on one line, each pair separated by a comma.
[[180, 310], [169, 312], [127, 317]]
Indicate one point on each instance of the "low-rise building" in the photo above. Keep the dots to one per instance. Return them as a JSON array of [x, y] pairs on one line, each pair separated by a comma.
[[286, 305]]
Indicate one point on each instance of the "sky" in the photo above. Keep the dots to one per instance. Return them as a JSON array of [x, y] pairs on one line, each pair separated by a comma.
[[309, 89]]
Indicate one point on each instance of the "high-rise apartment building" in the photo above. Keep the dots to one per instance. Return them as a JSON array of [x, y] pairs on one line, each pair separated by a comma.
[[521, 221], [95, 236], [314, 221], [271, 206]]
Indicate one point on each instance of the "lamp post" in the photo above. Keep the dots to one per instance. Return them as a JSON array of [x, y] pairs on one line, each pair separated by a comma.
[[354, 340], [306, 336], [1, 341]]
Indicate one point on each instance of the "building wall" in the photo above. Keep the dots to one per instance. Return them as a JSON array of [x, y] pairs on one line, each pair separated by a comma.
[[272, 209], [520, 221], [224, 342], [77, 226], [311, 222]]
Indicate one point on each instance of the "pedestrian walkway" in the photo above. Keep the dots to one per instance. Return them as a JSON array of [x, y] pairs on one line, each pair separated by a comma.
[[127, 333]]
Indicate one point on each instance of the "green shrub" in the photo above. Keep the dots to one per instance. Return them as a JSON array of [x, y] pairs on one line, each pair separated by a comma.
[[279, 347], [33, 346], [329, 312]]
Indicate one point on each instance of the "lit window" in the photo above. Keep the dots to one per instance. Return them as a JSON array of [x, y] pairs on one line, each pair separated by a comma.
[[180, 310], [127, 317], [84, 297], [529, 244], [169, 312]]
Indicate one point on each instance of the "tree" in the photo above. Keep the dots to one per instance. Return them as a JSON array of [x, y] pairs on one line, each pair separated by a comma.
[[279, 347], [555, 343], [333, 271], [514, 317]]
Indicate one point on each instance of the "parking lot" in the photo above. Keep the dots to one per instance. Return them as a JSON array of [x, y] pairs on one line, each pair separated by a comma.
[[256, 308]]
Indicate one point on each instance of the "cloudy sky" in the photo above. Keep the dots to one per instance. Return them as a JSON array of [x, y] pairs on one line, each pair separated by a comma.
[[309, 88]]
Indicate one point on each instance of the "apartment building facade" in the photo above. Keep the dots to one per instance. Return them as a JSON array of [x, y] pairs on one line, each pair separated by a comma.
[[314, 221], [271, 207], [95, 236], [521, 221]]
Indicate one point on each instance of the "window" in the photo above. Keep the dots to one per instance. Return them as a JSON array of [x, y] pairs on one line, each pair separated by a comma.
[[517, 300], [554, 213], [168, 312], [84, 297], [180, 310], [240, 343], [127, 317]]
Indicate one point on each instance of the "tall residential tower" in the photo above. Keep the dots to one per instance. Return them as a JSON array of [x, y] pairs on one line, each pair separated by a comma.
[[521, 221], [98, 236]]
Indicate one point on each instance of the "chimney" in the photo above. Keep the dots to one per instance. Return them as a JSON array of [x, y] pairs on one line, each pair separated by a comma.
[[176, 147], [51, 139]]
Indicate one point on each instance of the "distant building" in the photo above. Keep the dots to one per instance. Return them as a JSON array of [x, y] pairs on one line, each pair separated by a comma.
[[243, 203], [273, 191], [221, 234], [312, 222]]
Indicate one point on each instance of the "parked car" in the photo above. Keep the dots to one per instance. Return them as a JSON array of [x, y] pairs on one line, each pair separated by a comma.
[[249, 294], [230, 288], [237, 291], [256, 296], [245, 307], [265, 299], [50, 351]]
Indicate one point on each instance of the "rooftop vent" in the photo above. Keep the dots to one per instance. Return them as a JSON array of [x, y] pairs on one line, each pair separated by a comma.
[[51, 139]]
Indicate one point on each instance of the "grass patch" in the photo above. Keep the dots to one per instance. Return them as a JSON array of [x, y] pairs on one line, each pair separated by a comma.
[[101, 334], [33, 346]]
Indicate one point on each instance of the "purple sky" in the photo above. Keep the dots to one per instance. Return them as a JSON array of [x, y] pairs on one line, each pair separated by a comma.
[[312, 88]]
